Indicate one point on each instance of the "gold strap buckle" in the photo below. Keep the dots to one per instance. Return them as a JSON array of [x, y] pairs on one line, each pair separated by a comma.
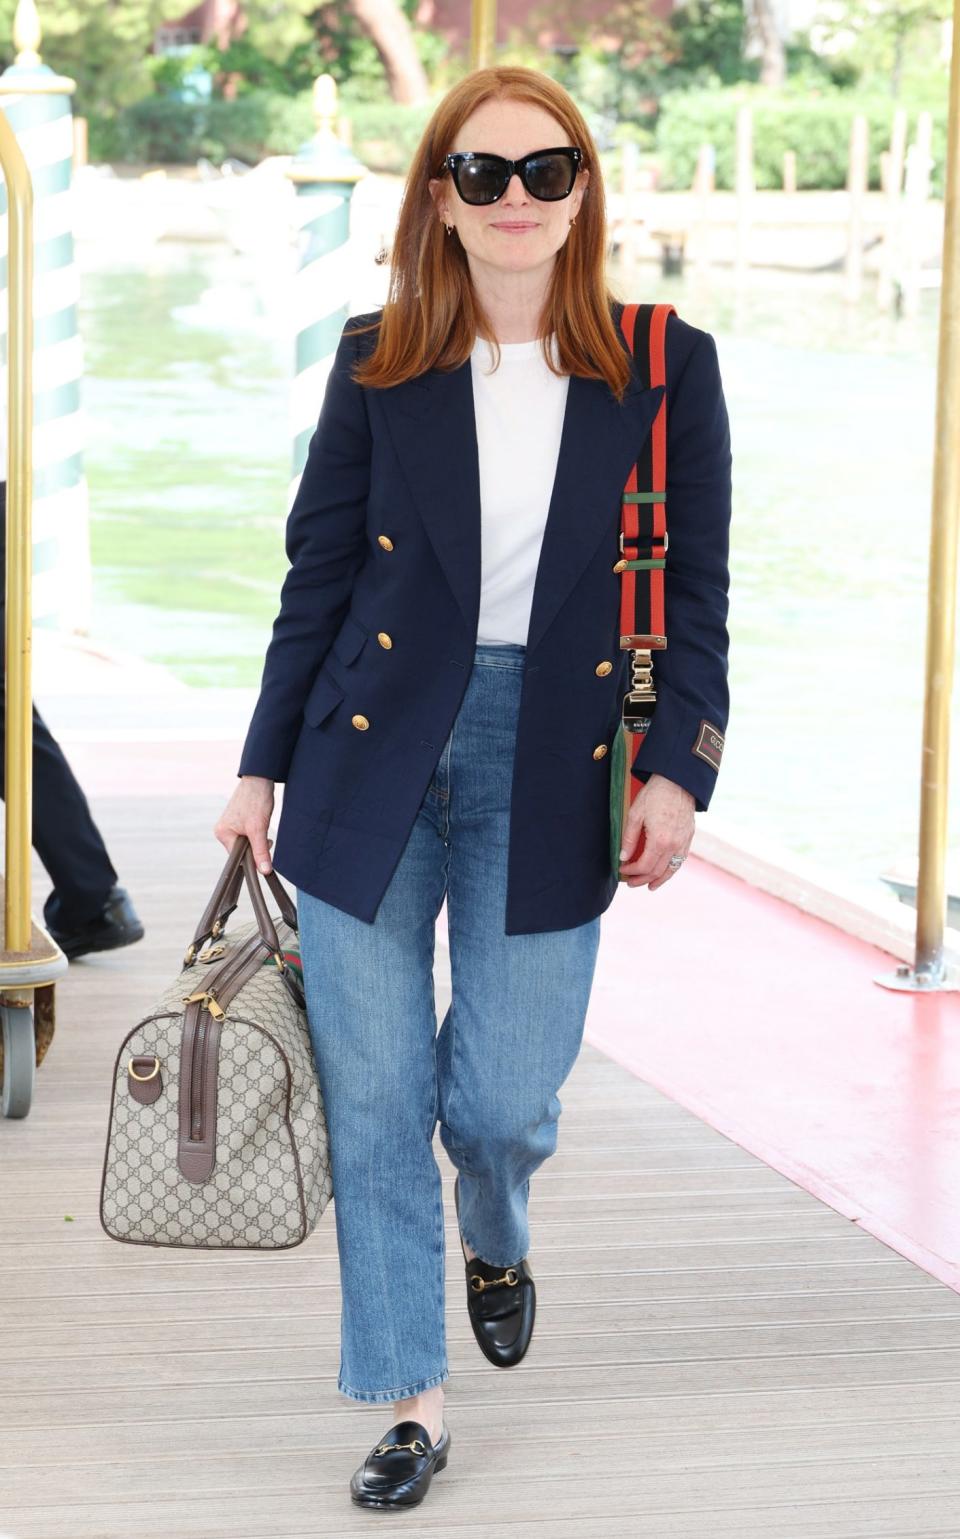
[[416, 1445]]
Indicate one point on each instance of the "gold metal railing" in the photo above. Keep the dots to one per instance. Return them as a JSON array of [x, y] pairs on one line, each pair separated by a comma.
[[928, 970], [18, 749], [483, 32]]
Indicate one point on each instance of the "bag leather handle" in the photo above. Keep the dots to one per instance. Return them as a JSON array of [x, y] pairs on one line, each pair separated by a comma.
[[238, 868], [231, 896]]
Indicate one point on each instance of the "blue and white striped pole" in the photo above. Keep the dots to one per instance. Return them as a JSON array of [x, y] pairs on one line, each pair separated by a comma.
[[325, 172], [37, 104]]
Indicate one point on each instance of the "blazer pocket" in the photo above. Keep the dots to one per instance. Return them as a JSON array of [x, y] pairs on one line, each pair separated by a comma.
[[349, 640], [323, 696]]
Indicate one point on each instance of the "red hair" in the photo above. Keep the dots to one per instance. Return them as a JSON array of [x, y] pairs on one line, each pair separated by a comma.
[[432, 315]]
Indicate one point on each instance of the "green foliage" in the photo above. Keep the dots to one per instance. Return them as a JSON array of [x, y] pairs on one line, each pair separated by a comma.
[[258, 71], [708, 36], [284, 49], [104, 47], [274, 33], [884, 40], [386, 134], [815, 126], [164, 130]]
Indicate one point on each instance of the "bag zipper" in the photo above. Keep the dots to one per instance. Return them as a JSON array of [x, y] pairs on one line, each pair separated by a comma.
[[225, 984]]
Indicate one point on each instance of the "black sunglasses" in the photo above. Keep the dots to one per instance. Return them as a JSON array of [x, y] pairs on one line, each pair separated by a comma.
[[479, 177]]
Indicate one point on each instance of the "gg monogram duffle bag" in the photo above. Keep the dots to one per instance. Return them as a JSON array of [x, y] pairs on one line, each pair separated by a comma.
[[217, 1137]]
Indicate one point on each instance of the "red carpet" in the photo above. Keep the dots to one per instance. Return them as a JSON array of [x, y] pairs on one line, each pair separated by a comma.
[[767, 1024]]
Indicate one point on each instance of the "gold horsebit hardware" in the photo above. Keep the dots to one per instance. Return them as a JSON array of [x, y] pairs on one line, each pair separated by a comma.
[[416, 1445], [510, 1277]]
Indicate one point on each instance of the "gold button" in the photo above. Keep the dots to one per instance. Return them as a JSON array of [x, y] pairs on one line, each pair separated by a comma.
[[600, 750], [621, 565], [384, 639], [385, 541], [362, 723], [603, 668]]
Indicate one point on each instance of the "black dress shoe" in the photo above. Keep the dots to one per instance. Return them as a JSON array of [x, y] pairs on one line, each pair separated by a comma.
[[501, 1303], [398, 1471], [117, 924]]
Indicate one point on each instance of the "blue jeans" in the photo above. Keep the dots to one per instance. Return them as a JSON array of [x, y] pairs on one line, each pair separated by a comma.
[[490, 1076]]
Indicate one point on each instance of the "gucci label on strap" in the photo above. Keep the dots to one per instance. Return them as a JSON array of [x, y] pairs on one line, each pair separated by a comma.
[[709, 744]]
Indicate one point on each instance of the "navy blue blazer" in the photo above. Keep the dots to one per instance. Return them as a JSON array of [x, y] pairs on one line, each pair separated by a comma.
[[384, 536]]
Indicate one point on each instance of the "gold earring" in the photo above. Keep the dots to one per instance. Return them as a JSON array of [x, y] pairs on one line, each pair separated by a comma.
[[574, 219]]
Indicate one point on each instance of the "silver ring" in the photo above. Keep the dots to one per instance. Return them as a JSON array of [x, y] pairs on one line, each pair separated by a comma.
[[676, 861]]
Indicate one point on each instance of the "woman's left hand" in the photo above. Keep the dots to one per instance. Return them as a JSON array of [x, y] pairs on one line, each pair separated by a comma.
[[662, 812]]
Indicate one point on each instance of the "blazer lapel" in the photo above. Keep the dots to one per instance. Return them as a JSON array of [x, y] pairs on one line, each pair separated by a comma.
[[433, 427]]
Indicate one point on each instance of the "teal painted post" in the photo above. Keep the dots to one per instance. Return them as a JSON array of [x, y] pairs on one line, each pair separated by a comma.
[[37, 104], [325, 172]]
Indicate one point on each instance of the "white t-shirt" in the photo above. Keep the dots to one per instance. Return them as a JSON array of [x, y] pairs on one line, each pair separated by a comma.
[[519, 416]]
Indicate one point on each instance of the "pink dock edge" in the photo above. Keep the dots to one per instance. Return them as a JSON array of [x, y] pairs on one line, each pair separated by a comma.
[[766, 1023]]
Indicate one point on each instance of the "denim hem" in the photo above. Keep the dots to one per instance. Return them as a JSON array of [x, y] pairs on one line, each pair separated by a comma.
[[385, 1396], [515, 1261]]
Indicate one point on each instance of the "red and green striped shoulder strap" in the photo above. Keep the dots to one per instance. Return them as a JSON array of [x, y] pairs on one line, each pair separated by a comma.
[[643, 533]]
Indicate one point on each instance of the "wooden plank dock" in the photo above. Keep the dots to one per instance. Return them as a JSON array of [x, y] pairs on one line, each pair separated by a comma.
[[717, 1352]]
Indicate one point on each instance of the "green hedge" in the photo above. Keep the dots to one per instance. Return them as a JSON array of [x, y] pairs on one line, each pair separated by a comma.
[[817, 128], [162, 130]]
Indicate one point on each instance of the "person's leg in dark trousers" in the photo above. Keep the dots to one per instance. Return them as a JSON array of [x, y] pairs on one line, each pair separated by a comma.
[[86, 910]]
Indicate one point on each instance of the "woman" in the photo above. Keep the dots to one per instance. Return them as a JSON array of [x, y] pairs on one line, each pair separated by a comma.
[[441, 687]]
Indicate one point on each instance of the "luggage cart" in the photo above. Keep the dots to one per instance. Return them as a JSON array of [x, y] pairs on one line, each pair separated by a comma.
[[30, 959]]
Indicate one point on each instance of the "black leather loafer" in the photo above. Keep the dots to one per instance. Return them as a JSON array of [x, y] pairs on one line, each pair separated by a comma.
[[501, 1303], [398, 1471], [117, 924]]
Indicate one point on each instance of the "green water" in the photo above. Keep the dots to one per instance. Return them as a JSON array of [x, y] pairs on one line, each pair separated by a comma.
[[187, 461], [832, 424]]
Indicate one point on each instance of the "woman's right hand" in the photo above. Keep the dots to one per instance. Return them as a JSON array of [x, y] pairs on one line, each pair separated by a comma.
[[249, 811]]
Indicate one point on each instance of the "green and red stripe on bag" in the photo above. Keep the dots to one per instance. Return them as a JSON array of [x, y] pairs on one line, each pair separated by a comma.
[[291, 958], [642, 563]]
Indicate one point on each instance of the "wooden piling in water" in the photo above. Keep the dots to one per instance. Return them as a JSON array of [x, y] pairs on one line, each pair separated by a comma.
[[856, 193]]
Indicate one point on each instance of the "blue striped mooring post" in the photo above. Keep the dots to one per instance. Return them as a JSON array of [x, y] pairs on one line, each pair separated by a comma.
[[325, 172], [37, 105]]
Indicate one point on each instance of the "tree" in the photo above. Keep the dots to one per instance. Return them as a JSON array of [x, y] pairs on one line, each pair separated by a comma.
[[390, 31], [104, 47], [766, 39], [710, 37], [284, 33], [878, 34]]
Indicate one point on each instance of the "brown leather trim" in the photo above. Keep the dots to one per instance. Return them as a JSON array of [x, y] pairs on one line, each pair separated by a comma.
[[144, 1090], [239, 867], [196, 1155]]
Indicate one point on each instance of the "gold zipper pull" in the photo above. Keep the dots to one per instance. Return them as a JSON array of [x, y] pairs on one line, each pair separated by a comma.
[[208, 998]]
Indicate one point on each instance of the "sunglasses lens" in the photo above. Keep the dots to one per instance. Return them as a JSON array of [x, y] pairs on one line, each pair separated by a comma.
[[550, 177], [481, 181]]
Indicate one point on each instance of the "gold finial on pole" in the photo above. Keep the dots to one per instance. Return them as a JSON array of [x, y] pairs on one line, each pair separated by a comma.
[[27, 33], [325, 106]]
